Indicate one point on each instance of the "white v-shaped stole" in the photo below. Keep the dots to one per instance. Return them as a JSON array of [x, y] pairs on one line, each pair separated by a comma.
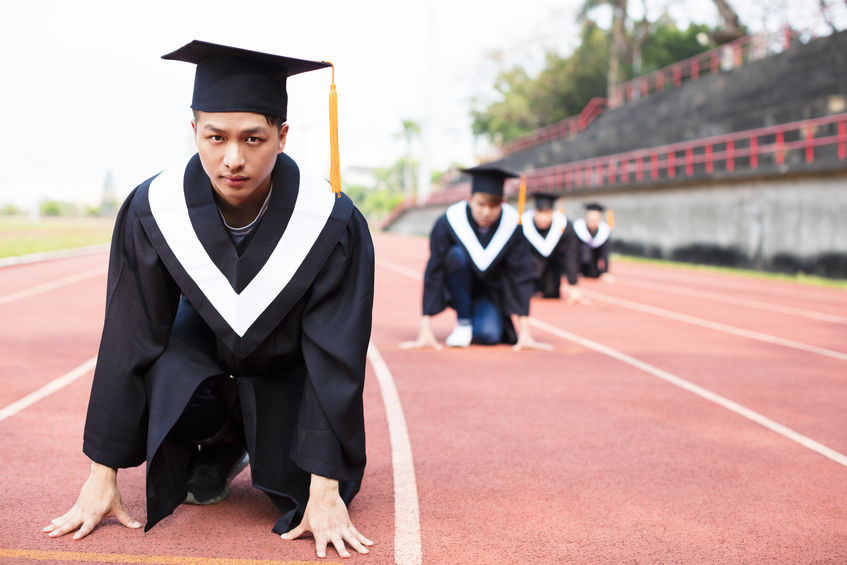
[[482, 257], [603, 233], [545, 245], [312, 209]]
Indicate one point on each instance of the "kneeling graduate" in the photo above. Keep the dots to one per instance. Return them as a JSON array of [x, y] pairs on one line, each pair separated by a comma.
[[479, 266], [238, 316]]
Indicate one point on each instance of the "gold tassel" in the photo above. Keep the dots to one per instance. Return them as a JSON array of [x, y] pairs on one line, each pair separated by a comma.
[[610, 218], [521, 199], [334, 162]]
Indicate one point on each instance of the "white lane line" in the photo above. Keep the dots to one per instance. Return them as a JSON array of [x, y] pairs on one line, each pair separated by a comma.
[[53, 285], [698, 390], [407, 526], [717, 326], [51, 255], [746, 284], [739, 301], [48, 389], [397, 268]]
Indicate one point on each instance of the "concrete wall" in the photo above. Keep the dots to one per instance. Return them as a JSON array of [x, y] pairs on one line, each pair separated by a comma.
[[783, 224]]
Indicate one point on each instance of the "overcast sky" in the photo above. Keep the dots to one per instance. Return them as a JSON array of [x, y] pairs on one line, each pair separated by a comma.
[[84, 90]]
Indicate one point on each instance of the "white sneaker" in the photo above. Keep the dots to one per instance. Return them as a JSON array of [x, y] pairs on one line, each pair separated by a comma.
[[461, 336]]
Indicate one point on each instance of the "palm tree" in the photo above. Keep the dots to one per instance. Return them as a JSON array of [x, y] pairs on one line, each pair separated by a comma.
[[411, 130]]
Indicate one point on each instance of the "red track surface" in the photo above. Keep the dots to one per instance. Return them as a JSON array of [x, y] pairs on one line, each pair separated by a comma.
[[568, 456]]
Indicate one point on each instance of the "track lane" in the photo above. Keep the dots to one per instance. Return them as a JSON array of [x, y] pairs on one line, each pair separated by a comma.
[[826, 299], [50, 333], [652, 476], [521, 457]]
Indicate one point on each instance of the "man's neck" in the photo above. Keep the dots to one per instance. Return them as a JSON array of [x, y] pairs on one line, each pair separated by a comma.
[[240, 214]]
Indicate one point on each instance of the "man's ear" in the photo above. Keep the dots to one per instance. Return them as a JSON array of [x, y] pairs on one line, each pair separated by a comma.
[[283, 136]]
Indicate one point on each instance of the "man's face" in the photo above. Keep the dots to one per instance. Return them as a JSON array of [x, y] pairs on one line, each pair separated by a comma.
[[543, 219], [238, 151], [593, 219], [483, 210]]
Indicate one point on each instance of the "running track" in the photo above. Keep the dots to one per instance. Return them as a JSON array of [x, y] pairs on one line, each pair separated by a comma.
[[682, 417]]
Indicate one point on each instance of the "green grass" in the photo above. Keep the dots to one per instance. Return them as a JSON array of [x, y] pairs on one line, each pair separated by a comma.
[[22, 236], [797, 278]]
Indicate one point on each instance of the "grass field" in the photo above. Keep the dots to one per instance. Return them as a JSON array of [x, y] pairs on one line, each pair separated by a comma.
[[22, 236]]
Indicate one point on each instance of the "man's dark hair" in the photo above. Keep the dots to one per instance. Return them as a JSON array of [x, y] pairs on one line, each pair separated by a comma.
[[273, 121], [491, 199]]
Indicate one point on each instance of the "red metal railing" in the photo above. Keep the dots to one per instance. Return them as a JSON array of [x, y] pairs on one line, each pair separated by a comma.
[[725, 57], [730, 152], [726, 154], [568, 127]]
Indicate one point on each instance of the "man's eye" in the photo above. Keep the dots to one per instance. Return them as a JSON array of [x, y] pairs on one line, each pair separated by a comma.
[[252, 139], [216, 138]]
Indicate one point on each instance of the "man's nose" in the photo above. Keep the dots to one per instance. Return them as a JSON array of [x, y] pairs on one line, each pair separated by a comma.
[[233, 157]]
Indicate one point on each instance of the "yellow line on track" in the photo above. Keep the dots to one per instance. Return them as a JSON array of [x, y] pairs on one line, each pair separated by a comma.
[[42, 556]]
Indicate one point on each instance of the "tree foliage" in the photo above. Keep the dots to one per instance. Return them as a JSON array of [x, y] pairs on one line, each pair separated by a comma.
[[566, 84]]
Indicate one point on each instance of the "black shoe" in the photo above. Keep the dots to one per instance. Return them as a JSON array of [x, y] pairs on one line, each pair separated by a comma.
[[214, 470]]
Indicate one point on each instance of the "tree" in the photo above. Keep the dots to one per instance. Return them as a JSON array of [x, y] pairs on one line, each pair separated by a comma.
[[567, 84], [411, 130], [561, 90], [732, 28]]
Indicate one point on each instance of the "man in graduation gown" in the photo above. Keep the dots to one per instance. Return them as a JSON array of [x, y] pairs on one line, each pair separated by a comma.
[[238, 316], [479, 266], [554, 247], [595, 242]]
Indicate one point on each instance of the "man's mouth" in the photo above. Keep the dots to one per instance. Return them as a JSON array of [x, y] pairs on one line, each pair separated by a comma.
[[235, 180]]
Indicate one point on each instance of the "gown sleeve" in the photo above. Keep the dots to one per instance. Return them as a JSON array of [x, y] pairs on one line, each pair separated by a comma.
[[435, 283], [518, 282], [603, 253], [330, 436], [569, 248], [141, 303]]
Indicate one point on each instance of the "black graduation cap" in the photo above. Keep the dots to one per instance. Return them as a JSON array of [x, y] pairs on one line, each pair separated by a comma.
[[230, 79], [595, 206], [544, 200], [488, 179]]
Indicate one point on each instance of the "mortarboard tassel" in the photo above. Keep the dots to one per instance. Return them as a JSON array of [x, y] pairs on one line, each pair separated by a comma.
[[334, 163], [521, 199], [610, 218]]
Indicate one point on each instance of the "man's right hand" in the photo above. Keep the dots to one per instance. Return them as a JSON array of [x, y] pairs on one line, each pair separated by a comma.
[[425, 337], [98, 499]]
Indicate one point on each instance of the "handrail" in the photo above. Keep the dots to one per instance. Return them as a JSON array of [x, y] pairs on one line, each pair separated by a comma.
[[667, 161], [568, 127], [728, 56]]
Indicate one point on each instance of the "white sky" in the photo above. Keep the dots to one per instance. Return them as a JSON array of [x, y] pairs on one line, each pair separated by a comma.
[[84, 90]]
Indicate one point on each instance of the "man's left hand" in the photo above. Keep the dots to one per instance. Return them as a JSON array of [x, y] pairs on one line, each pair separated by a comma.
[[327, 519], [525, 339]]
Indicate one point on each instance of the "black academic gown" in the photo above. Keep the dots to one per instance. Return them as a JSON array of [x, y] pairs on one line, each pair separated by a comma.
[[499, 259], [594, 248], [288, 318], [554, 251]]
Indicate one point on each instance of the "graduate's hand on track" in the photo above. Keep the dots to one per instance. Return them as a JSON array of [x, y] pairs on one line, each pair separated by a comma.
[[425, 337], [327, 519], [575, 297], [98, 499], [525, 339]]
